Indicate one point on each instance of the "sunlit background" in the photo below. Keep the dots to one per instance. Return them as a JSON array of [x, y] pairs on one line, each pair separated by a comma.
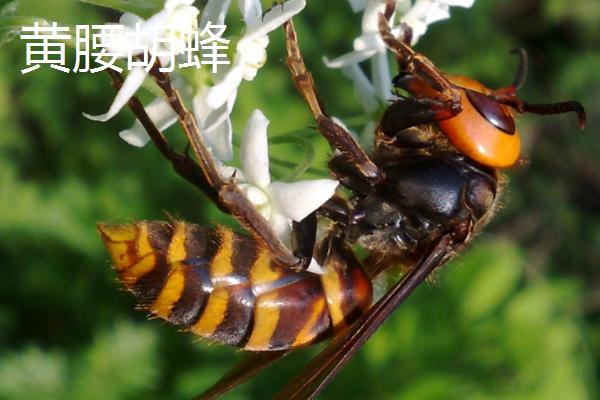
[[516, 316]]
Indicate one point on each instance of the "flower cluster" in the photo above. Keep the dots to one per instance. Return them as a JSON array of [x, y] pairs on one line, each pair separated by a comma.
[[280, 203], [416, 14]]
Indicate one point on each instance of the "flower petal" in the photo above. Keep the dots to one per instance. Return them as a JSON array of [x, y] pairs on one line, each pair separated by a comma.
[[160, 112], [219, 140], [354, 57], [357, 5], [315, 268], [215, 125], [257, 196], [370, 19], [369, 41], [418, 29], [214, 11], [296, 200], [121, 41], [458, 3], [228, 172], [170, 5], [274, 18], [428, 11], [224, 89], [215, 128], [254, 150], [282, 227], [251, 11], [362, 86], [129, 20], [437, 12], [156, 21], [380, 72], [136, 135], [130, 86], [210, 119]]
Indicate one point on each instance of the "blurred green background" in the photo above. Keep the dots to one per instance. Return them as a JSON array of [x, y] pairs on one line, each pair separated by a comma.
[[515, 317]]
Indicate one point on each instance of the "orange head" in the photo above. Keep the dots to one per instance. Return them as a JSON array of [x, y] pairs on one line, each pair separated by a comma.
[[484, 130]]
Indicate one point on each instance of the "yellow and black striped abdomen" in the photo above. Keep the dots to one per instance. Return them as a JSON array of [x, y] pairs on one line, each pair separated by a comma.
[[224, 287]]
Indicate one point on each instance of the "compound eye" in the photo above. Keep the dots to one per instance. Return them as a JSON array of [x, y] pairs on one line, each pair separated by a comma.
[[492, 111]]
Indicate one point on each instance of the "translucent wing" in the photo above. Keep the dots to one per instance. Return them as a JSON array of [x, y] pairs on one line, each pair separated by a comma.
[[251, 365], [309, 383]]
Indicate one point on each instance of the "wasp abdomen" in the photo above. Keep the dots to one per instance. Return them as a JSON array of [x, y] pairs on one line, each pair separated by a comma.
[[224, 287]]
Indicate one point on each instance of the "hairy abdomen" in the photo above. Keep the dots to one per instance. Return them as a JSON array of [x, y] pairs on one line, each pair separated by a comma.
[[224, 287]]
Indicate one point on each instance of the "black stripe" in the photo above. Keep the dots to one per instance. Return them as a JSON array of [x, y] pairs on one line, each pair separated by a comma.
[[238, 316], [201, 243], [148, 287], [243, 255], [250, 328], [197, 288], [237, 324], [297, 301], [160, 235]]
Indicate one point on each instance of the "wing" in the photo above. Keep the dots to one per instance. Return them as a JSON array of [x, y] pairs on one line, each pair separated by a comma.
[[309, 383], [251, 365]]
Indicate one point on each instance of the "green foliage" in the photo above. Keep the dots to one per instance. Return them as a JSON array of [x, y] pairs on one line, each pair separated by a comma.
[[449, 340], [514, 317], [118, 364]]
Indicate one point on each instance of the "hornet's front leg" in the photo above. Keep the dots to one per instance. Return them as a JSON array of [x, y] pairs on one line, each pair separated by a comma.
[[432, 97], [337, 136]]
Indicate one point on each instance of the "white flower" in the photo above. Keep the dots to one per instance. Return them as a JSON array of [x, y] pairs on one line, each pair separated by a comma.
[[358, 5], [160, 112], [426, 12], [280, 203], [370, 45], [214, 125], [212, 107], [251, 53], [177, 14]]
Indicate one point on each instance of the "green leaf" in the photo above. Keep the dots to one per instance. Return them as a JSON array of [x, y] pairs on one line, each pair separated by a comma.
[[11, 23], [32, 375], [308, 151], [120, 363], [496, 276]]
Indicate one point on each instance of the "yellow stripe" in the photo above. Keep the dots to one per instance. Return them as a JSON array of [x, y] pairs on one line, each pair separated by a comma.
[[176, 250], [122, 255], [213, 314], [265, 322], [131, 275], [307, 334], [220, 265], [261, 271], [119, 240], [170, 293], [266, 309], [335, 295], [143, 240], [118, 233]]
